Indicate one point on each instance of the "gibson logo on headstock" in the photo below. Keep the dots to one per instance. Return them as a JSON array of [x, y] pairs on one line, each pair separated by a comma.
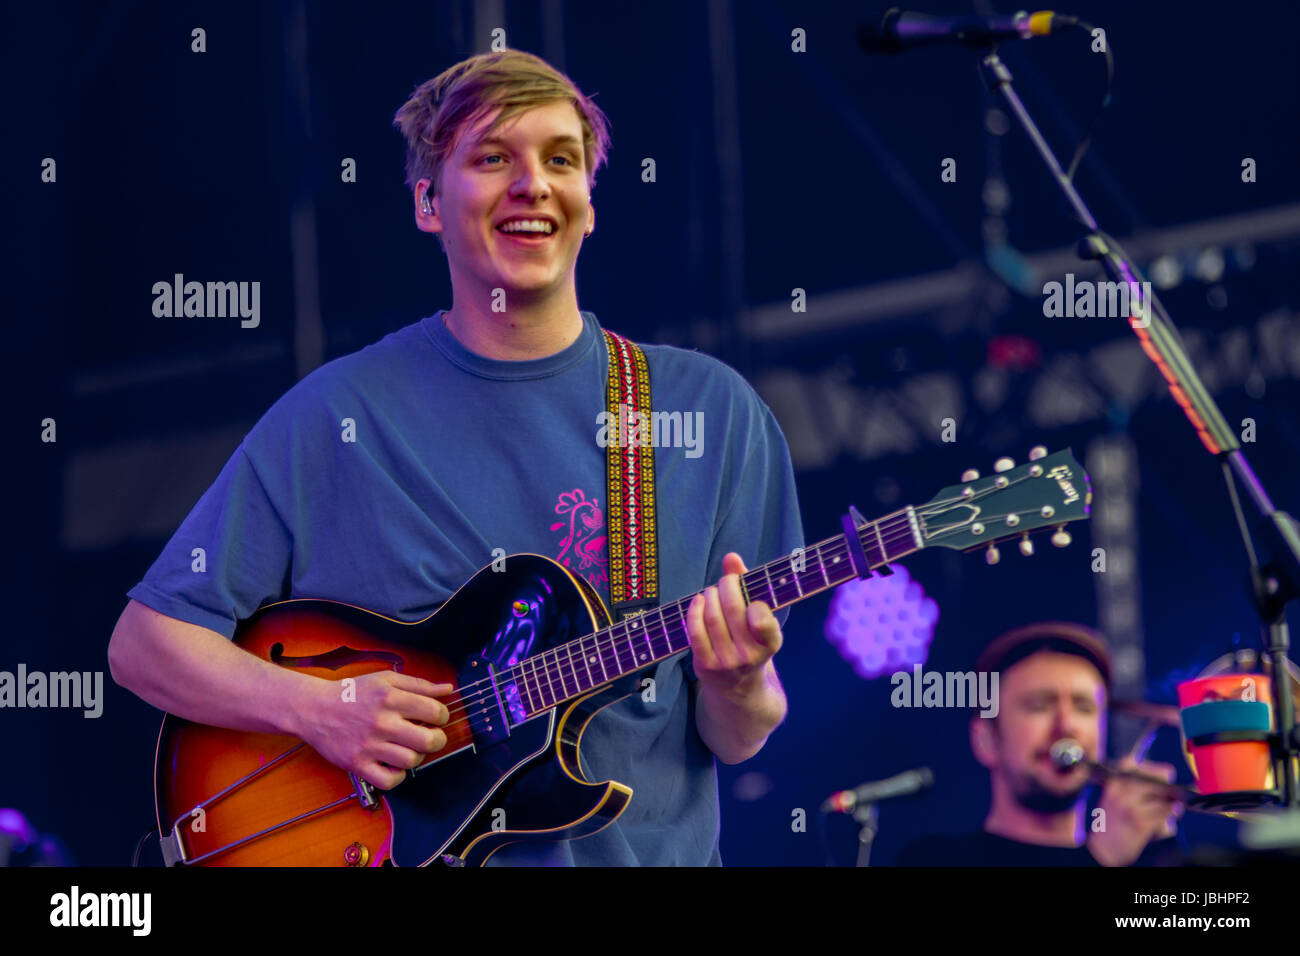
[[1061, 475]]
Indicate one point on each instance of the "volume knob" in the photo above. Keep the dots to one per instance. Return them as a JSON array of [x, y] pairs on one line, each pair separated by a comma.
[[358, 854]]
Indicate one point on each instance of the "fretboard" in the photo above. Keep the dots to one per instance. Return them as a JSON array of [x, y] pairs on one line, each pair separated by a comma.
[[568, 671]]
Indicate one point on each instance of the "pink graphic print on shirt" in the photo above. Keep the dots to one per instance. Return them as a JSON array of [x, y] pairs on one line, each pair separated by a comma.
[[583, 543]]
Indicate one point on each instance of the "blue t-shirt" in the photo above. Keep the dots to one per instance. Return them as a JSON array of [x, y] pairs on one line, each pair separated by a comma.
[[452, 455]]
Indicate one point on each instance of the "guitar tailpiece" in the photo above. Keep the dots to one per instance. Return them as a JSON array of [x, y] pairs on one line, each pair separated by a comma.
[[365, 792]]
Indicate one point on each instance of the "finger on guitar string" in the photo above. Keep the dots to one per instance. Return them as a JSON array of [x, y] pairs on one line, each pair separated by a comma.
[[383, 717], [715, 623], [415, 737], [698, 634], [734, 613], [754, 631], [416, 698]]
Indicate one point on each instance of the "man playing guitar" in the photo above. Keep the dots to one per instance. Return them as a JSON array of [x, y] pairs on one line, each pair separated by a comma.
[[385, 478]]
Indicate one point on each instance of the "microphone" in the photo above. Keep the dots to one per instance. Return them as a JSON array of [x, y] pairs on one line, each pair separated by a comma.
[[899, 785], [1067, 752], [899, 30]]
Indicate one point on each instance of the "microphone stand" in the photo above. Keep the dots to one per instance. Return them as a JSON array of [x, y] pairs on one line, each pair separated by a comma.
[[867, 816], [1273, 585]]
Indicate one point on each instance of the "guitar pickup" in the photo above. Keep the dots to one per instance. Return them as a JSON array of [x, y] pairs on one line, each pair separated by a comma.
[[485, 706]]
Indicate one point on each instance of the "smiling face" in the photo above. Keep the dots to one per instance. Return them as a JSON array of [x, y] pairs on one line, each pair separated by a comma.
[[532, 168], [1042, 698]]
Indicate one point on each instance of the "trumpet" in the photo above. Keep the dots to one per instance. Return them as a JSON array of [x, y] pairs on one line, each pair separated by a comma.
[[1067, 753]]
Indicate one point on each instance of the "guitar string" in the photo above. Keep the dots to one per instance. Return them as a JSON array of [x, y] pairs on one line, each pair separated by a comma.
[[835, 547], [832, 548], [668, 628]]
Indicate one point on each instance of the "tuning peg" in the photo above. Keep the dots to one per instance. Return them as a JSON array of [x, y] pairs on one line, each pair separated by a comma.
[[1003, 464], [1026, 546], [1037, 452], [992, 555], [970, 474], [1061, 538]]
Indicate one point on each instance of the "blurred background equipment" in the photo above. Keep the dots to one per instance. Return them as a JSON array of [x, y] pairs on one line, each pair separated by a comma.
[[22, 845]]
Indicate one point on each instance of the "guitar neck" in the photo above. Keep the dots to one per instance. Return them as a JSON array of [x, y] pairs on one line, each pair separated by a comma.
[[570, 670]]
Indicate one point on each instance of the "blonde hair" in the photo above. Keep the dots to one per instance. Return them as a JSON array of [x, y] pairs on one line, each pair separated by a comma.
[[441, 108]]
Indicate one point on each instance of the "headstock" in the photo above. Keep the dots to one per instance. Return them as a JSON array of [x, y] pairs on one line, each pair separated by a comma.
[[1048, 492]]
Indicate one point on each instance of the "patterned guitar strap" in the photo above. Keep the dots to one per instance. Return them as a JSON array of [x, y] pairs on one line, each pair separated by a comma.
[[630, 482]]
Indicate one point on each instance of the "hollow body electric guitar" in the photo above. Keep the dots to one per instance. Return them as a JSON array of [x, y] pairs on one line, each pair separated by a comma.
[[533, 656]]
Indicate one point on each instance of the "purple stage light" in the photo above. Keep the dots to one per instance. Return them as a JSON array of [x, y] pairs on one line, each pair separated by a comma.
[[882, 624]]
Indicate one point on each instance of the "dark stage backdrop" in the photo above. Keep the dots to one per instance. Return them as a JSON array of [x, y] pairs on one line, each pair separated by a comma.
[[784, 162]]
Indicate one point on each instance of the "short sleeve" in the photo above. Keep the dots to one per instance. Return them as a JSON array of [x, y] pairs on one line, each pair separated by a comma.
[[231, 555], [762, 521]]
